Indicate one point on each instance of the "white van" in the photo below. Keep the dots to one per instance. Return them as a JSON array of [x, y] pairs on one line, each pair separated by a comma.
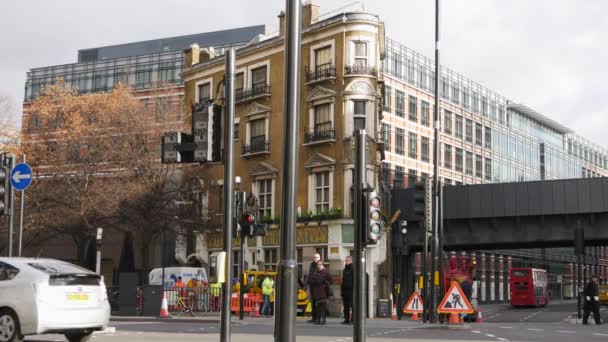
[[188, 274]]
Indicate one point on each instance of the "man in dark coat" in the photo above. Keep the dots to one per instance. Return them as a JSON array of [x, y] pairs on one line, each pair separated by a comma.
[[592, 302], [346, 288], [319, 282], [311, 297]]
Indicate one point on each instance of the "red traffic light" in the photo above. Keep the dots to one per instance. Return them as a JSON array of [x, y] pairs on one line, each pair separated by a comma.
[[250, 218]]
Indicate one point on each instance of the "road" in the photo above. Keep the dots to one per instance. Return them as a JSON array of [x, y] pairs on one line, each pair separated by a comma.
[[502, 323]]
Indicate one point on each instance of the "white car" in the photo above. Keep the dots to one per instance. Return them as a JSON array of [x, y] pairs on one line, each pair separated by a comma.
[[40, 296]]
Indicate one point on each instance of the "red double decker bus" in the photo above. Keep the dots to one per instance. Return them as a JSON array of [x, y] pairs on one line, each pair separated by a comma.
[[529, 287]]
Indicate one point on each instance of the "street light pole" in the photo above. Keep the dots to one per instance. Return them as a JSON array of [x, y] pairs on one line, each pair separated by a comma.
[[239, 213], [360, 230], [98, 254], [228, 192], [285, 315], [21, 206], [435, 246]]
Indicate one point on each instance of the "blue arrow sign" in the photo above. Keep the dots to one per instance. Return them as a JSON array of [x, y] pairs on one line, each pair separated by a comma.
[[21, 177]]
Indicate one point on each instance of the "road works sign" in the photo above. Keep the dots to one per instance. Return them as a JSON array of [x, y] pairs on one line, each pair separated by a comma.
[[414, 304], [455, 301]]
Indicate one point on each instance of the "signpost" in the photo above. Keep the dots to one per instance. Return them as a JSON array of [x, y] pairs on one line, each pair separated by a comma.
[[414, 304], [455, 302], [21, 178]]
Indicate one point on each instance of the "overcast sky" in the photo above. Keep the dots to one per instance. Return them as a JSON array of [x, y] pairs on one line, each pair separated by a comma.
[[548, 54]]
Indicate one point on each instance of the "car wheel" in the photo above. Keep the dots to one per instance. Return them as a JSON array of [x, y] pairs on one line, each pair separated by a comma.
[[81, 336], [9, 327]]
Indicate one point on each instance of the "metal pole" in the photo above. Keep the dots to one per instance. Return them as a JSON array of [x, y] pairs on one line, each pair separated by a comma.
[[98, 252], [11, 210], [22, 205], [285, 315], [425, 278], [435, 245], [228, 192], [359, 262], [440, 235], [239, 213]]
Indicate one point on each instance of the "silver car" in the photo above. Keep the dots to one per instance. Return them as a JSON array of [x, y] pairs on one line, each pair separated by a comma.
[[40, 296]]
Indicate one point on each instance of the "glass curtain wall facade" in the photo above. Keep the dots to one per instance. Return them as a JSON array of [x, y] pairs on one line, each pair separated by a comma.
[[517, 143]]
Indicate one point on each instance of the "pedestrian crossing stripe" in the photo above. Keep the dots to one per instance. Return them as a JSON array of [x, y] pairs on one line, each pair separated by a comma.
[[455, 301], [414, 304]]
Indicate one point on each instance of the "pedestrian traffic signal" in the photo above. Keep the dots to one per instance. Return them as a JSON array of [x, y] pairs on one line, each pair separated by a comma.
[[247, 226], [3, 190], [375, 218]]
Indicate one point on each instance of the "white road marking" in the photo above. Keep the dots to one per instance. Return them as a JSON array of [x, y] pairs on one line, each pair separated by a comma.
[[501, 339], [566, 331], [596, 334], [490, 335], [532, 315], [506, 327], [534, 329], [476, 332]]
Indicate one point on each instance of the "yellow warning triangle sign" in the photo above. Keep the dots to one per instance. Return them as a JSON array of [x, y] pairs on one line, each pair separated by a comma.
[[455, 301], [414, 304]]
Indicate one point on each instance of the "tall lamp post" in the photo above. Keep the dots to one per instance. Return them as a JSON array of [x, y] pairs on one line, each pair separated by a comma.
[[98, 245]]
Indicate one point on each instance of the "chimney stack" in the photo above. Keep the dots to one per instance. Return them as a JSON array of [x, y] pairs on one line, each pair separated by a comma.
[[192, 55], [310, 13]]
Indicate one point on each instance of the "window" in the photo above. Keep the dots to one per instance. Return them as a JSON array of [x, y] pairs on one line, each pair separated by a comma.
[[424, 175], [465, 98], [447, 156], [399, 133], [399, 103], [265, 197], [412, 177], [447, 121], [34, 122], [478, 134], [322, 192], [143, 75], [239, 83], [488, 137], [478, 166], [204, 92], [458, 159], [469, 131], [445, 88], [82, 84], [121, 76], [322, 119], [236, 262], [271, 257], [361, 54], [258, 77], [413, 145], [413, 108], [424, 113], [258, 132], [399, 174], [51, 148], [99, 82], [458, 128], [73, 152], [469, 164], [323, 58], [488, 169], [424, 149], [360, 114], [387, 99], [455, 93], [386, 133], [166, 72]]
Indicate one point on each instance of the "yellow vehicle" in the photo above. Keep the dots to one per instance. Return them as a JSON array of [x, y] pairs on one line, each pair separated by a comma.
[[603, 291], [253, 284]]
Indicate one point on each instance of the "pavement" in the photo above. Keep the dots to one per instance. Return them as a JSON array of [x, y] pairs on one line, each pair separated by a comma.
[[503, 323]]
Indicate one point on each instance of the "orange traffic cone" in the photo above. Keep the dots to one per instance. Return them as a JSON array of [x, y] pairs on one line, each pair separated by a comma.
[[479, 316], [415, 316], [256, 310], [394, 313], [454, 319], [164, 310]]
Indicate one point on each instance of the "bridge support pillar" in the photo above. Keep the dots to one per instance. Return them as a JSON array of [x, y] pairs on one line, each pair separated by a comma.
[[501, 278], [483, 278], [508, 274], [492, 278]]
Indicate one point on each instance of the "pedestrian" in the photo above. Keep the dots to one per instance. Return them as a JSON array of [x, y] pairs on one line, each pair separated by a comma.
[[267, 289], [313, 268], [319, 282], [346, 289], [592, 302]]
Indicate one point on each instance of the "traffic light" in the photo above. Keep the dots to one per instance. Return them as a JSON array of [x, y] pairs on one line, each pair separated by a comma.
[[419, 201], [375, 218], [247, 227], [3, 189]]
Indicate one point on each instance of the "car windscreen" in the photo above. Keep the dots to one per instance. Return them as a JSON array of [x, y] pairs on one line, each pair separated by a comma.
[[65, 274], [7, 272]]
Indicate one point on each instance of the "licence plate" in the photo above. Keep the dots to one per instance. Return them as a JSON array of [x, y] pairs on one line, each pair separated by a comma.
[[78, 297]]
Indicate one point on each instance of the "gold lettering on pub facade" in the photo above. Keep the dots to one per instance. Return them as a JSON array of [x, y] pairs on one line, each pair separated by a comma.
[[304, 236], [216, 241]]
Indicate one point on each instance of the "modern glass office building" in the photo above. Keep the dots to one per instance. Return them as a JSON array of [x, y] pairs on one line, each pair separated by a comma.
[[141, 65], [485, 137]]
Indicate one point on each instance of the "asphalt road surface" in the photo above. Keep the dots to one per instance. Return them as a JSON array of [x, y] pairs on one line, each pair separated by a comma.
[[502, 323]]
